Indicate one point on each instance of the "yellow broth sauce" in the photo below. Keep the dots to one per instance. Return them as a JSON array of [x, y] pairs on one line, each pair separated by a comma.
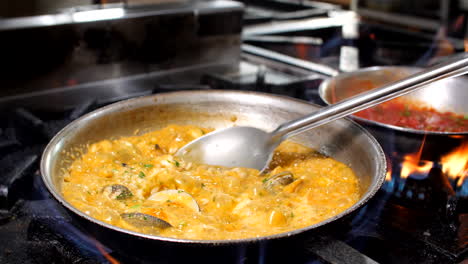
[[136, 183]]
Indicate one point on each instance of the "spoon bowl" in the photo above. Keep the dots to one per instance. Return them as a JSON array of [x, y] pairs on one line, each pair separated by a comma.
[[228, 147]]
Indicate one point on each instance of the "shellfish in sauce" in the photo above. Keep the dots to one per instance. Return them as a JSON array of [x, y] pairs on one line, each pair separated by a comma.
[[136, 183]]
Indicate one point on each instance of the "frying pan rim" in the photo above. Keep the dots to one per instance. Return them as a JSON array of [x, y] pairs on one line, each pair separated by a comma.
[[325, 85]]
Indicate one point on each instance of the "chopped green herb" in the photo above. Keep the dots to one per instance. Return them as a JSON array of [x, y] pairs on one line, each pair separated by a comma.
[[136, 206], [175, 162], [203, 185], [126, 171], [292, 214], [141, 174], [88, 192], [180, 191], [465, 117], [168, 201], [265, 180], [148, 165], [183, 223], [407, 111], [145, 218], [115, 171]]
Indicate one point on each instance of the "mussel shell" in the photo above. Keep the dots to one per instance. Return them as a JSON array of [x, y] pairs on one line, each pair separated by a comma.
[[278, 180], [117, 192], [142, 220]]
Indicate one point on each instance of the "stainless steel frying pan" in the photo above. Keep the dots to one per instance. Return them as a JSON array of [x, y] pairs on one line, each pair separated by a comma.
[[342, 139], [446, 95]]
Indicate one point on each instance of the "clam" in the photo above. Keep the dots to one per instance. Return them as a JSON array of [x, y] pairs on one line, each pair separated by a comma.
[[175, 196], [117, 192], [276, 182], [144, 220]]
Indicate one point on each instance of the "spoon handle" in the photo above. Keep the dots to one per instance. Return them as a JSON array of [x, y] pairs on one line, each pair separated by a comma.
[[451, 68]]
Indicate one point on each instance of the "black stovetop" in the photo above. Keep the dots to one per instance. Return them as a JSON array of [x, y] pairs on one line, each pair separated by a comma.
[[396, 226], [422, 218]]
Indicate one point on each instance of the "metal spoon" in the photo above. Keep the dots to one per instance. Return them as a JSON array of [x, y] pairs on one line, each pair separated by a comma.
[[253, 148]]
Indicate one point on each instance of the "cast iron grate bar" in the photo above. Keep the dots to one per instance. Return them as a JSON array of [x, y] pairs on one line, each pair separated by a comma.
[[8, 141], [28, 128], [20, 183], [337, 252], [83, 108]]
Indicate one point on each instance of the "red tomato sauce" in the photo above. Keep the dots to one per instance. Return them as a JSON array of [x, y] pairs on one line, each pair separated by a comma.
[[405, 113]]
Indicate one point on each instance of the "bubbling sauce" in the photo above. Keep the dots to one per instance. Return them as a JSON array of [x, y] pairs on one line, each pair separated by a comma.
[[136, 183]]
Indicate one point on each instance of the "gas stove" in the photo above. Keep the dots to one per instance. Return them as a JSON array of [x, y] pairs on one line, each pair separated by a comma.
[[418, 216]]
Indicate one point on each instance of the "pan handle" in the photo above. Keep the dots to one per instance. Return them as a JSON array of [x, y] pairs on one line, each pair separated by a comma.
[[303, 64]]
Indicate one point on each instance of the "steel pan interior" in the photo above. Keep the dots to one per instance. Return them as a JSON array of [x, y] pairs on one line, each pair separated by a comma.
[[343, 139]]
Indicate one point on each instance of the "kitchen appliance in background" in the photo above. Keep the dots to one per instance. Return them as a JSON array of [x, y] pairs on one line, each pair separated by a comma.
[[12, 8], [94, 43], [429, 15]]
